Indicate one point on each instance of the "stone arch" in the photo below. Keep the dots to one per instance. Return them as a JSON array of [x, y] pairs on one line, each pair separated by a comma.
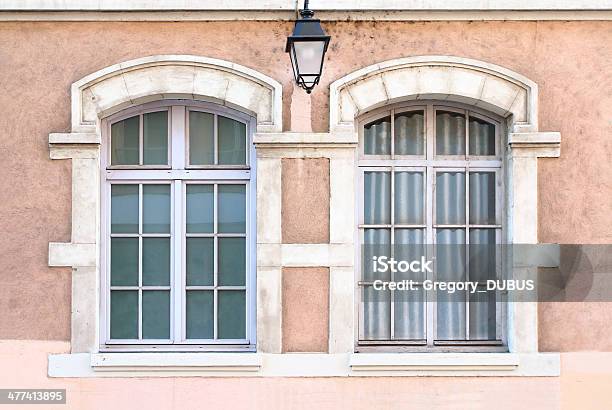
[[176, 76], [469, 81]]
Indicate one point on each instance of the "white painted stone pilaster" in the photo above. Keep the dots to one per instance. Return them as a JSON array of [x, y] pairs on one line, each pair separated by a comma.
[[524, 151]]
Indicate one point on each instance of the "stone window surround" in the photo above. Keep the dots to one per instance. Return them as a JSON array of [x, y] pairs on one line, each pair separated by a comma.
[[430, 77]]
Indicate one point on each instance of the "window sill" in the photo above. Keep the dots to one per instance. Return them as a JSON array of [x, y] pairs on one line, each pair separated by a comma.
[[454, 364], [150, 364], [302, 364]]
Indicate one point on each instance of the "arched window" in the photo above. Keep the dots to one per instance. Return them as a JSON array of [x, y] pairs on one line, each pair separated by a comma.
[[431, 185], [178, 228]]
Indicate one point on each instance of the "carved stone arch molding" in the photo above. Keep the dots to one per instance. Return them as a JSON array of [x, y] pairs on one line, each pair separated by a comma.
[[491, 87], [464, 80], [110, 90]]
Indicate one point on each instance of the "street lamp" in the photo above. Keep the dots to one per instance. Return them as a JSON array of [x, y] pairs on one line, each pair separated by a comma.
[[307, 46]]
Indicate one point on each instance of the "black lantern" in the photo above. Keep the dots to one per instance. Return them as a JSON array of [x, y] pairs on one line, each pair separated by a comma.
[[307, 46]]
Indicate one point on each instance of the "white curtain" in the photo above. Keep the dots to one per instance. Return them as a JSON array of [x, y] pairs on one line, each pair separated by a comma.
[[377, 137], [450, 133], [409, 133], [482, 137]]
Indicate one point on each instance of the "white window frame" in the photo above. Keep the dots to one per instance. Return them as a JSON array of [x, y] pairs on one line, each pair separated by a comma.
[[431, 164], [178, 174]]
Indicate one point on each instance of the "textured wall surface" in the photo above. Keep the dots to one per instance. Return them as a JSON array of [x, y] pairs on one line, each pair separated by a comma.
[[305, 309], [570, 61], [305, 200]]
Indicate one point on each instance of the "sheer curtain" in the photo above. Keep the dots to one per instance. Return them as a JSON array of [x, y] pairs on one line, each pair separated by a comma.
[[377, 137], [401, 315]]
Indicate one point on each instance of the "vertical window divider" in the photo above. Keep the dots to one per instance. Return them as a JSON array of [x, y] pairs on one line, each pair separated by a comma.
[[392, 134], [178, 283], [215, 258], [140, 210], [392, 241], [430, 297], [141, 139], [216, 138], [467, 225]]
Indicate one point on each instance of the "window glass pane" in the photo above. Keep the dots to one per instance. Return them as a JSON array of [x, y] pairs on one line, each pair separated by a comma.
[[482, 137], [156, 314], [200, 261], [376, 243], [482, 254], [450, 266], [201, 138], [124, 261], [409, 246], [125, 136], [377, 137], [482, 198], [232, 261], [451, 315], [156, 261], [232, 314], [232, 208], [200, 314], [124, 314], [377, 198], [409, 198], [409, 320], [232, 141], [200, 212], [155, 138], [483, 320], [450, 133], [376, 314], [409, 133], [450, 198], [124, 208], [156, 208], [450, 254]]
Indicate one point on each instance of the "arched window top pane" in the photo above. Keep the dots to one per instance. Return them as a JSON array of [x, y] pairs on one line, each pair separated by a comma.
[[125, 136], [450, 133], [430, 130], [482, 137], [141, 139], [377, 137], [201, 138], [216, 140], [409, 133]]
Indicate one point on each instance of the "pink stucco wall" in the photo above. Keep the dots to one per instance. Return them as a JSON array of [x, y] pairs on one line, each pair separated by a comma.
[[570, 61]]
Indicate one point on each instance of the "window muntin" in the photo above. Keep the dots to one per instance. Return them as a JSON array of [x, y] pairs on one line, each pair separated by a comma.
[[178, 266], [437, 196]]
